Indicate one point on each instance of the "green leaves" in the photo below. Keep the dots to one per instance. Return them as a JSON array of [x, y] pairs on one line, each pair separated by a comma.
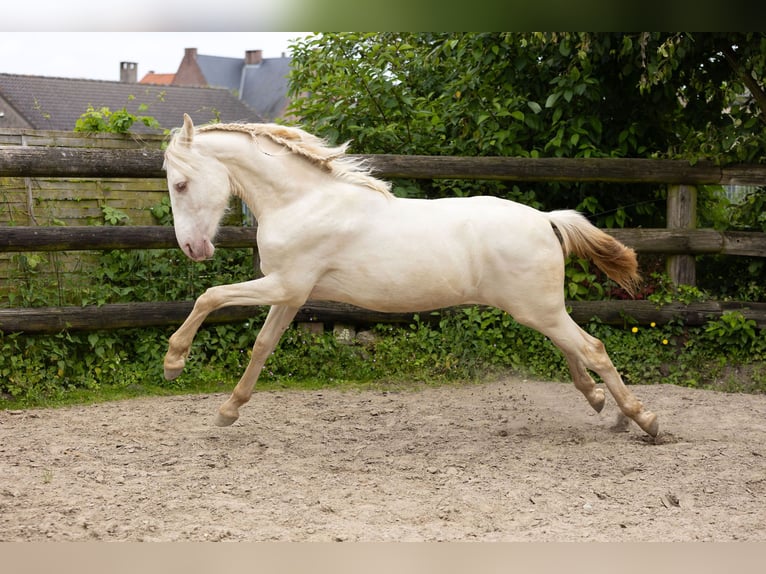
[[105, 120], [428, 93], [736, 334]]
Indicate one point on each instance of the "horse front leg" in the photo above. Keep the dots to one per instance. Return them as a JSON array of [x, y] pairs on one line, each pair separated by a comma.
[[269, 290], [180, 342], [276, 323]]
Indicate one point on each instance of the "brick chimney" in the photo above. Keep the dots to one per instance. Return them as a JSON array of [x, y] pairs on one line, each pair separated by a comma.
[[128, 72], [189, 72], [253, 57]]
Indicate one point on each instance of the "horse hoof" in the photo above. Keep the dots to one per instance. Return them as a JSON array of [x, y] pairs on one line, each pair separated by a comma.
[[650, 424], [222, 420], [171, 374], [599, 400]]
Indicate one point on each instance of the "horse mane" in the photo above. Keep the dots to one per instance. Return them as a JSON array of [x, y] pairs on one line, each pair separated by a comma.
[[313, 148]]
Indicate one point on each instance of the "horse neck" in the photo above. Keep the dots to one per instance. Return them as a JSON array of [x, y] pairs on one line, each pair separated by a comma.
[[253, 176], [275, 179]]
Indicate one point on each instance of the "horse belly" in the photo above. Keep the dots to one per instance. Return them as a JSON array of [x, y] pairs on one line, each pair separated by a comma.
[[387, 296], [401, 279]]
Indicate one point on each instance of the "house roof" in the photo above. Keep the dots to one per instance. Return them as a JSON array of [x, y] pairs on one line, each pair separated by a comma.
[[265, 87], [262, 86], [221, 72], [56, 103], [155, 78]]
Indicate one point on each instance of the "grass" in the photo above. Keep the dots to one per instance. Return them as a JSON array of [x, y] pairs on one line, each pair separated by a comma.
[[211, 379]]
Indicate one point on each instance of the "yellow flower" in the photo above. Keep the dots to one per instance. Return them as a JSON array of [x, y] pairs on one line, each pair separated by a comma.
[[652, 324], [634, 330], [664, 341]]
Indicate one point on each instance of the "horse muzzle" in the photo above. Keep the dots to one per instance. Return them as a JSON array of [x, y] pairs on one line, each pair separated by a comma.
[[198, 250]]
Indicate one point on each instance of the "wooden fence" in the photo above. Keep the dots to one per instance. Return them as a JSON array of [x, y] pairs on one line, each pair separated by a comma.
[[73, 198], [681, 241]]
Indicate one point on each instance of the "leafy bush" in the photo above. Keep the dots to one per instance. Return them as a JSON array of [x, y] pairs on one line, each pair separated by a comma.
[[104, 120], [465, 344]]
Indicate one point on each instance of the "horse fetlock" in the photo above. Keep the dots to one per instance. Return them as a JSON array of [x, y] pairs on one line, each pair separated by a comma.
[[229, 411], [175, 358]]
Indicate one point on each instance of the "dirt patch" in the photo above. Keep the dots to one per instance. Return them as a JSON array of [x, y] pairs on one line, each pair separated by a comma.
[[508, 460]]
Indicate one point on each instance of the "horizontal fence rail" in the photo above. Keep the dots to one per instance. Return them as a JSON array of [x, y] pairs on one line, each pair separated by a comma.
[[23, 161], [172, 313], [91, 237], [95, 237]]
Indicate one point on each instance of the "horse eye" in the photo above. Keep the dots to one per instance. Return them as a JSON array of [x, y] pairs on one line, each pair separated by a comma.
[[181, 186]]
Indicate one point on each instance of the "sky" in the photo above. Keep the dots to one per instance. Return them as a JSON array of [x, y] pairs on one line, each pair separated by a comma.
[[97, 55]]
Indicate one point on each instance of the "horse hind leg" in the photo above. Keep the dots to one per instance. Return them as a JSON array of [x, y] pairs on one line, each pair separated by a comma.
[[593, 355], [597, 359], [584, 351], [584, 383], [274, 326]]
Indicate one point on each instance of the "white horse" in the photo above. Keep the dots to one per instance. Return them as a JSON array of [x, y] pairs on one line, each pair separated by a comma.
[[328, 230]]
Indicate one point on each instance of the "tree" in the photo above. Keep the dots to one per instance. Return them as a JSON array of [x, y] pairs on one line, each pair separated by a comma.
[[555, 94], [647, 94]]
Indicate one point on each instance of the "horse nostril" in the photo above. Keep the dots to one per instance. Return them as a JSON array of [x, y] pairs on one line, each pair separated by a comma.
[[189, 250]]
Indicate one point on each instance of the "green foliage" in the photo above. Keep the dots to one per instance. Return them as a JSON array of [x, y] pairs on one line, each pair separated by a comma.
[[735, 335], [104, 120], [464, 344], [162, 212], [580, 283], [736, 278], [114, 216], [39, 367], [534, 95], [663, 291]]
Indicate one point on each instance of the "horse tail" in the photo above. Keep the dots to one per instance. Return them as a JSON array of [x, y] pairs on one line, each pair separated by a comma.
[[581, 237]]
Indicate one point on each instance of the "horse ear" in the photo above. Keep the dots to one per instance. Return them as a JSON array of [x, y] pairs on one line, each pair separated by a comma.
[[187, 133]]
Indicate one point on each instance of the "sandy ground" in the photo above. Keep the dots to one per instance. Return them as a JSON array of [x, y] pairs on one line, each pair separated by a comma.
[[509, 460]]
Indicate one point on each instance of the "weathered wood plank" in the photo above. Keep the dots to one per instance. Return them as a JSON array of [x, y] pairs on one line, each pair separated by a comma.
[[693, 241], [542, 169], [79, 162], [744, 243], [682, 214], [85, 185], [32, 161], [93, 237], [31, 238], [30, 137], [613, 312], [671, 240], [132, 315]]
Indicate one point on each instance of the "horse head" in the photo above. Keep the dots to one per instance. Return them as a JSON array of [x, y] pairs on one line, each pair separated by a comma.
[[199, 186]]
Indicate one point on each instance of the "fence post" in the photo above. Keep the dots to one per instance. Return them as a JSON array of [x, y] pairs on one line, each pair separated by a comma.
[[682, 214]]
